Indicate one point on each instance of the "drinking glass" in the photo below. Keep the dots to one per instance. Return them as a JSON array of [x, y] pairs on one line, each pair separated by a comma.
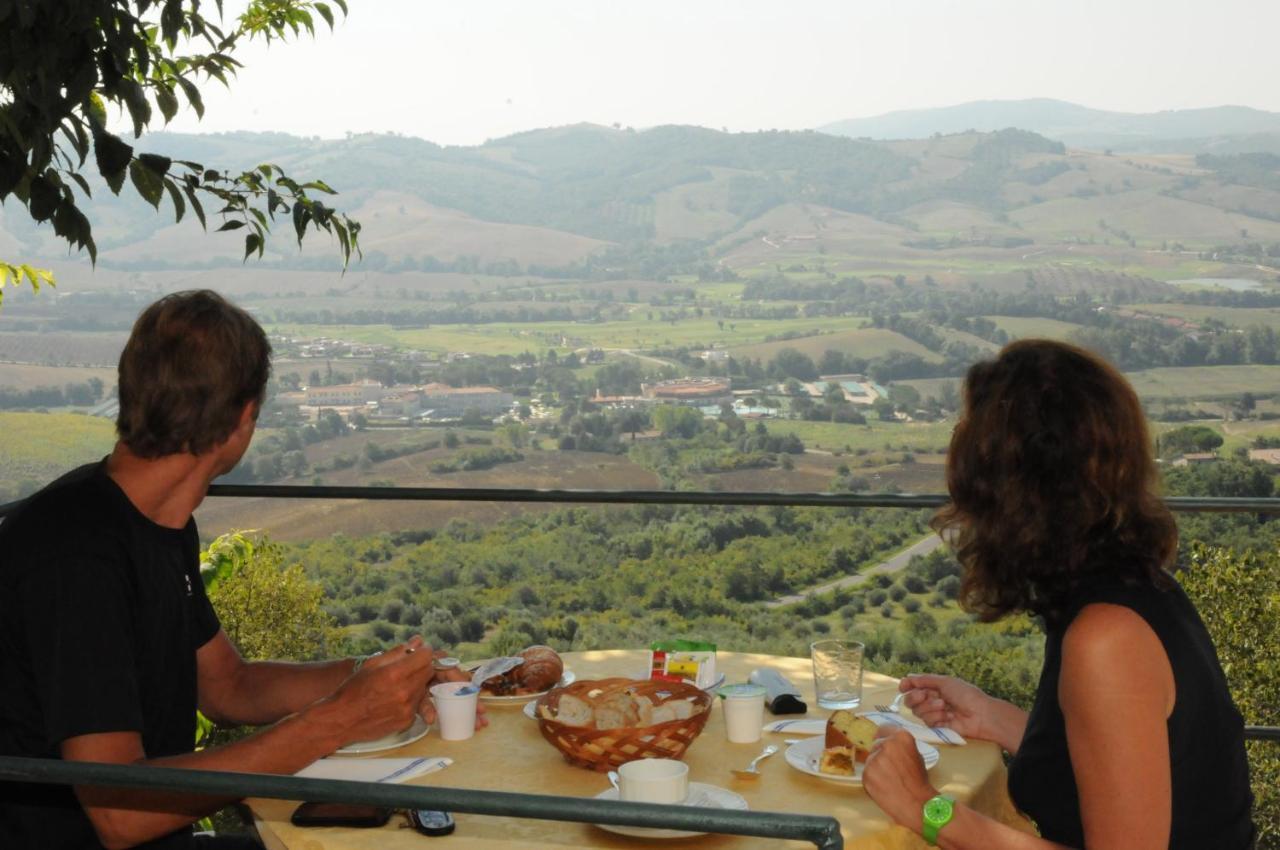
[[837, 673]]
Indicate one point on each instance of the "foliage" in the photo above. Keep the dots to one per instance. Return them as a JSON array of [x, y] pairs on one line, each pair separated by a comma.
[[268, 610], [1189, 438], [1238, 596], [64, 64]]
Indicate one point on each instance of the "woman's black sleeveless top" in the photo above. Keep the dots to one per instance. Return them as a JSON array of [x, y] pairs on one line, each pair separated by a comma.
[[1211, 796]]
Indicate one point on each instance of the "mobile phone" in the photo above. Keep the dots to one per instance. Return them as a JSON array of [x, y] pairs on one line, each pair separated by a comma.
[[339, 814], [431, 823]]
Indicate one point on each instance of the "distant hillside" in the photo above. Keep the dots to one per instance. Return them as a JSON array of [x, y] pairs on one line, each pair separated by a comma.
[[1190, 130], [589, 202]]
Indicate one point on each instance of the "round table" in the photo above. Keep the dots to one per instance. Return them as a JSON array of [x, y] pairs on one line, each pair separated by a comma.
[[511, 755]]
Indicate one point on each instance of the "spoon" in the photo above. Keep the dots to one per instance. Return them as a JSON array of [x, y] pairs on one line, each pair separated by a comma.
[[751, 771], [613, 777]]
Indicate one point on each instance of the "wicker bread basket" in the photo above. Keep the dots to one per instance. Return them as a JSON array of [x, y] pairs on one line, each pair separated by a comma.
[[606, 749]]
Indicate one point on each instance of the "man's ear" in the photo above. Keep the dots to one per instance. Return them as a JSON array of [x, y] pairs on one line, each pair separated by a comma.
[[249, 415]]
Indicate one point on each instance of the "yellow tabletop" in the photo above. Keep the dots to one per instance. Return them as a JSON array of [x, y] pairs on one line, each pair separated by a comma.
[[511, 755]]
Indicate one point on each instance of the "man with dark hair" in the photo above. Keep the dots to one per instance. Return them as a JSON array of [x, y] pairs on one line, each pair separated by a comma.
[[108, 643]]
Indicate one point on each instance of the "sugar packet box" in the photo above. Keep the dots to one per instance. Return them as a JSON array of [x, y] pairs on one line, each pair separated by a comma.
[[683, 661]]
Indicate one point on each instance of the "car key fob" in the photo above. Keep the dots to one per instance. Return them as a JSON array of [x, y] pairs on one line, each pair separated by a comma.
[[430, 822]]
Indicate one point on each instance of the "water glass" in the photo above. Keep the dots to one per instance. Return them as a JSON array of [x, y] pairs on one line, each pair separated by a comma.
[[837, 673]]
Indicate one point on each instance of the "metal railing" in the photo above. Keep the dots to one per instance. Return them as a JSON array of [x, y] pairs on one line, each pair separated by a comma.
[[823, 832]]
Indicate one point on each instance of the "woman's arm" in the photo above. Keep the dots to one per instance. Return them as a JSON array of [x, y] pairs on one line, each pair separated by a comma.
[[1116, 689]]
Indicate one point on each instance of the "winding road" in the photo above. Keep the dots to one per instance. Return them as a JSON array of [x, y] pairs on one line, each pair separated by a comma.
[[897, 562]]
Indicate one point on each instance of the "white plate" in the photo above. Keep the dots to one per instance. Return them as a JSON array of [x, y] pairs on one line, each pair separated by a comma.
[[419, 728], [805, 756], [700, 794], [566, 678]]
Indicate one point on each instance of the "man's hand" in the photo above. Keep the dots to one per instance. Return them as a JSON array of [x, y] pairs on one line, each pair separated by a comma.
[[428, 709], [383, 697]]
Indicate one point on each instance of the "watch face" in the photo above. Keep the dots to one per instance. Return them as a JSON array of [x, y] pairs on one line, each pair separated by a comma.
[[938, 810]]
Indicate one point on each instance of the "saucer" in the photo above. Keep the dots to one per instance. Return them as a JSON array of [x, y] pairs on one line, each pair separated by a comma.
[[419, 728], [701, 795]]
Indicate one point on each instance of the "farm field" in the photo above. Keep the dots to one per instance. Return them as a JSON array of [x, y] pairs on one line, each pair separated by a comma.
[[21, 376], [62, 348], [1020, 327], [38, 447], [1237, 317], [1205, 382], [639, 332], [303, 519], [874, 436], [864, 342]]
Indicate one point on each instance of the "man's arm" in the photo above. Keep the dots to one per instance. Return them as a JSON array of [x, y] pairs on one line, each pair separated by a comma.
[[237, 692], [381, 699]]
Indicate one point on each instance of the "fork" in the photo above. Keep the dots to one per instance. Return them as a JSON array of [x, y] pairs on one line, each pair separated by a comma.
[[751, 771], [894, 707]]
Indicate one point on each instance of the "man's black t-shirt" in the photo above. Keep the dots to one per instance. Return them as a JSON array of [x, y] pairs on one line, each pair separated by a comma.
[[101, 614]]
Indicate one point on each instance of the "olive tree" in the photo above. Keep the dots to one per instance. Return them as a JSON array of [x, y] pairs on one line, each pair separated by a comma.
[[64, 64]]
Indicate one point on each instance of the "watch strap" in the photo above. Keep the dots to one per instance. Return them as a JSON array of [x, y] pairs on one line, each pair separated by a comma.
[[938, 811]]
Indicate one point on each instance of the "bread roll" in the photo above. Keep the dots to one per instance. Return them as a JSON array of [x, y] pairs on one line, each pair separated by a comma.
[[542, 669]]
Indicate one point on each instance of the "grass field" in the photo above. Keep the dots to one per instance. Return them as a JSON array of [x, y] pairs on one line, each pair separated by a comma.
[[639, 332], [1237, 317], [38, 447], [1020, 327], [1205, 382], [874, 436], [865, 342], [21, 376]]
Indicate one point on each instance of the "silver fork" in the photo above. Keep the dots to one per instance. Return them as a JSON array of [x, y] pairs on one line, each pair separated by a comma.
[[894, 707]]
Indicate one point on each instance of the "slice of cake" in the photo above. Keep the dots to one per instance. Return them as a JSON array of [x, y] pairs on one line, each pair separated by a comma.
[[849, 738]]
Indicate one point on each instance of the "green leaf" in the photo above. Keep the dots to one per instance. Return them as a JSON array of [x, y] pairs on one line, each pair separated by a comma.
[[252, 242], [96, 109], [179, 206], [167, 101], [81, 182], [113, 157], [326, 13], [301, 215], [320, 186], [149, 184], [158, 164], [43, 198], [135, 100], [196, 206], [193, 95], [234, 224]]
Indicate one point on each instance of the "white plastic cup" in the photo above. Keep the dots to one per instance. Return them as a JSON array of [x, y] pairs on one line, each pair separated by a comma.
[[653, 781], [743, 712], [456, 714]]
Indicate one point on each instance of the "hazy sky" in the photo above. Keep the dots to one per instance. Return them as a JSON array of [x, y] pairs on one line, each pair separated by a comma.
[[463, 71]]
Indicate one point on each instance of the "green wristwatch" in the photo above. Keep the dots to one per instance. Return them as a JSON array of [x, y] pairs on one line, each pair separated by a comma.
[[937, 814]]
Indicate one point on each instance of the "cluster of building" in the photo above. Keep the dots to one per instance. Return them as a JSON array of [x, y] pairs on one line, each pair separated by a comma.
[[372, 400], [709, 394]]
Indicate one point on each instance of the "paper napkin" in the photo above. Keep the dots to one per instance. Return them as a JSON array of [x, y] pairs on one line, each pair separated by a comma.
[[816, 726], [373, 770]]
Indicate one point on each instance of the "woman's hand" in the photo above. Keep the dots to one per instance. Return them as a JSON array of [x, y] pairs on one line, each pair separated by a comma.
[[948, 701], [895, 778]]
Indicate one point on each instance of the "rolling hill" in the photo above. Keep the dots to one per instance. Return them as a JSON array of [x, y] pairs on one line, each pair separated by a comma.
[[1075, 125]]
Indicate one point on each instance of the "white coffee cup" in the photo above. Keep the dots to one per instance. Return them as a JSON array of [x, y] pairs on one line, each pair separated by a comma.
[[653, 781], [743, 712], [456, 713]]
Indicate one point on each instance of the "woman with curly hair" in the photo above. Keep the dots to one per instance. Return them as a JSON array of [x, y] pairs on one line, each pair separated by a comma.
[[1133, 741]]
